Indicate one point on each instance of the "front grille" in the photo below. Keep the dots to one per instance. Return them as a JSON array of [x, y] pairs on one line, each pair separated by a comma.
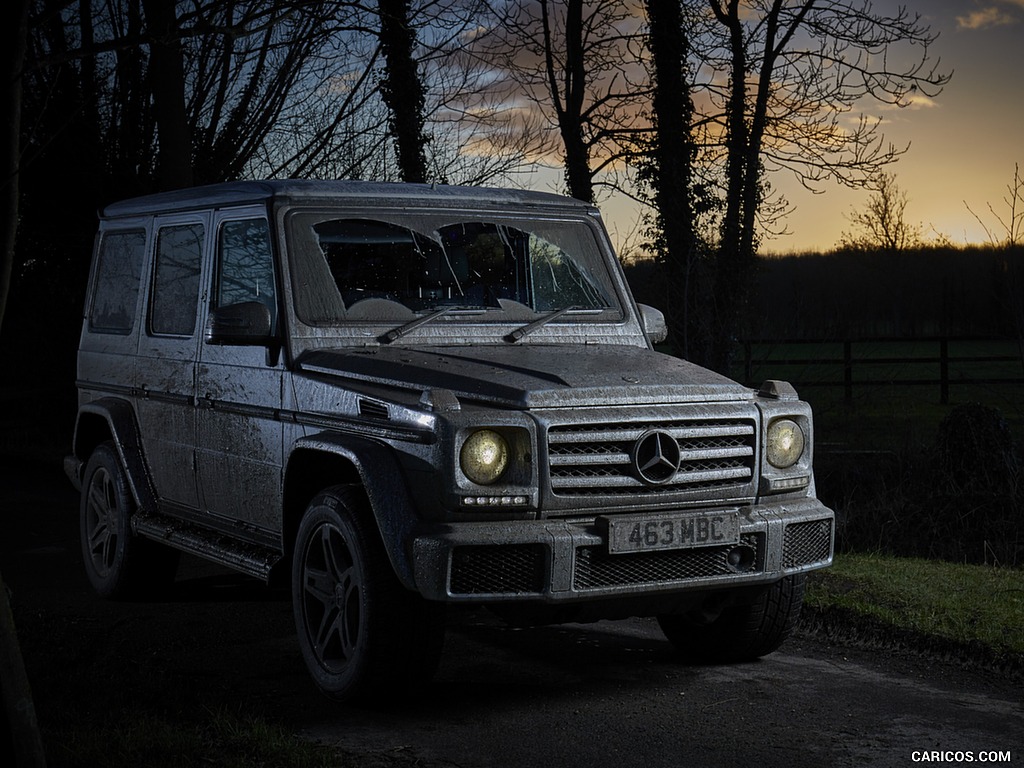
[[806, 543], [596, 569], [599, 458], [488, 570]]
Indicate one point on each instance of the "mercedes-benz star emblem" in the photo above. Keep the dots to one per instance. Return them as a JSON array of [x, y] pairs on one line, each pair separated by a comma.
[[656, 457]]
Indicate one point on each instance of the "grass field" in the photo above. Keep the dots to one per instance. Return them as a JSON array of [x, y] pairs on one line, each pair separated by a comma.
[[974, 612]]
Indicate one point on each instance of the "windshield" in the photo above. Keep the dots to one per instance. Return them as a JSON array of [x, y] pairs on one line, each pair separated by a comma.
[[395, 269]]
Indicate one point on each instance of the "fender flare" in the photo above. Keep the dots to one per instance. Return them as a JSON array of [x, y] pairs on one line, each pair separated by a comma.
[[123, 430], [390, 502]]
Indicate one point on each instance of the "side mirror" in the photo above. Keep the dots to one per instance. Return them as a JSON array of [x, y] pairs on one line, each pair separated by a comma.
[[247, 323], [654, 323]]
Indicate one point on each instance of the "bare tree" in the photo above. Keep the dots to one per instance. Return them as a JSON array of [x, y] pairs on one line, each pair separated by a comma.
[[479, 134], [224, 79], [264, 79], [1012, 255], [795, 69], [90, 101], [883, 225], [581, 64], [1013, 224]]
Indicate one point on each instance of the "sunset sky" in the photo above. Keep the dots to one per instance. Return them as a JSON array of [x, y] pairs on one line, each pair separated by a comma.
[[964, 142]]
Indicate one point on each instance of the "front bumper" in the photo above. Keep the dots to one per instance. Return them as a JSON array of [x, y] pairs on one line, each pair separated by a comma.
[[560, 561]]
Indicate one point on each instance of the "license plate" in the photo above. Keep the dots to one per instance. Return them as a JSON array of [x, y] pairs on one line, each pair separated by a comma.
[[648, 533]]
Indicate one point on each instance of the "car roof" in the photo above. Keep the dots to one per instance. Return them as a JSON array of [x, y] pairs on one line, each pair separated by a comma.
[[315, 191]]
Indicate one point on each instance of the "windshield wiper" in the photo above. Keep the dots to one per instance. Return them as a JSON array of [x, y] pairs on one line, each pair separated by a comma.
[[520, 333], [412, 325]]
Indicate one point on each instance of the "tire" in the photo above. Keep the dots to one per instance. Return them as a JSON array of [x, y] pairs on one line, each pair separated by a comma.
[[362, 634], [741, 632], [117, 563]]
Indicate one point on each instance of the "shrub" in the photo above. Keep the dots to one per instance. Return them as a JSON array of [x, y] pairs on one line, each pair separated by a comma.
[[960, 499]]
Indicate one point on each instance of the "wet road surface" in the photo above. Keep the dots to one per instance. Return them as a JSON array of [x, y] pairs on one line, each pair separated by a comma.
[[609, 694]]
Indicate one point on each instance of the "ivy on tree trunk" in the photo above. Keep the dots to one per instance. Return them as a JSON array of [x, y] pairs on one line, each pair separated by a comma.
[[402, 89]]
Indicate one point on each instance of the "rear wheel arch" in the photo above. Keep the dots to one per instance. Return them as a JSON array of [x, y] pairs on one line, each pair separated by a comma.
[[91, 430], [113, 420], [117, 562]]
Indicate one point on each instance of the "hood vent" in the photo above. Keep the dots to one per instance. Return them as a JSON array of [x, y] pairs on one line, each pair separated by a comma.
[[371, 409]]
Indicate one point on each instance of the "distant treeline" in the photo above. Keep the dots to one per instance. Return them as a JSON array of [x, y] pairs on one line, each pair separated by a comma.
[[973, 291]]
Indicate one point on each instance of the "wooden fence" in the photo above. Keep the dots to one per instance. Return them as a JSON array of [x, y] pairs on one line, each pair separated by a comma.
[[855, 363]]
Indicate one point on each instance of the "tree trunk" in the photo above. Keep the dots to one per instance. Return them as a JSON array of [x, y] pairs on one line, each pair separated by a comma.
[[672, 155], [402, 89], [578, 175], [167, 75], [16, 695], [15, 37], [567, 89], [732, 263]]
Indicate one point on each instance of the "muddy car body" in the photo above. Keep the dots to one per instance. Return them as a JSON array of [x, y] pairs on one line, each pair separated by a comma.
[[401, 397]]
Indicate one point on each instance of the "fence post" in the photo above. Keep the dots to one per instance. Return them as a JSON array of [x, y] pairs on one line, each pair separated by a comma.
[[848, 370], [944, 370]]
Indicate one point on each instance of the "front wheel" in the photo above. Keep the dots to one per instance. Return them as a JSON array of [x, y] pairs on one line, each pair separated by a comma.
[[359, 630], [741, 632]]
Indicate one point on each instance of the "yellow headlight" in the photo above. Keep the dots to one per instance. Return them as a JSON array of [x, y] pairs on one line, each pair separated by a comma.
[[785, 443], [484, 457]]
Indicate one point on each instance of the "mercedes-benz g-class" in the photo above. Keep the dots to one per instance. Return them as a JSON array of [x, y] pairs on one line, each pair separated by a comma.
[[400, 397]]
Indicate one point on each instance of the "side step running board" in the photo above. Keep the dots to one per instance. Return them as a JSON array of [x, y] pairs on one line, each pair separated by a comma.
[[251, 559]]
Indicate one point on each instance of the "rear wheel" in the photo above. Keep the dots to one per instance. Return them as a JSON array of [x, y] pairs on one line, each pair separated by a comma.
[[360, 631], [117, 563], [739, 632]]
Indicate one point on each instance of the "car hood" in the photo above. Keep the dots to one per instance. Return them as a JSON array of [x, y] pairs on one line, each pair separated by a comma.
[[530, 376]]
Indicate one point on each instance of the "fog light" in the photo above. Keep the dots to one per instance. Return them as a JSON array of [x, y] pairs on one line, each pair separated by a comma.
[[741, 559]]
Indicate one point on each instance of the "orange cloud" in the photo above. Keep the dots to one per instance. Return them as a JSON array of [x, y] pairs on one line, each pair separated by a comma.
[[990, 16]]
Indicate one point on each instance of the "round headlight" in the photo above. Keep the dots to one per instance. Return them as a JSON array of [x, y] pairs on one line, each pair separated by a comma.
[[484, 456], [785, 443]]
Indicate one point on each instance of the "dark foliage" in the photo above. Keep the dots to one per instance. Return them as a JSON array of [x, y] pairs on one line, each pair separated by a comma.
[[961, 499], [973, 291], [921, 292]]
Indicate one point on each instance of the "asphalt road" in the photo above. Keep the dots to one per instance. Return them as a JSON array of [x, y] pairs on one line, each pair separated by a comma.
[[608, 694]]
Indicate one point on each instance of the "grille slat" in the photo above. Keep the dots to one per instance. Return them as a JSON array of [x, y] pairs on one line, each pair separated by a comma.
[[585, 459]]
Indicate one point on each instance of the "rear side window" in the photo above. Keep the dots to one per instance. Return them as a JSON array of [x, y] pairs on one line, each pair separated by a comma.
[[179, 253], [116, 290]]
